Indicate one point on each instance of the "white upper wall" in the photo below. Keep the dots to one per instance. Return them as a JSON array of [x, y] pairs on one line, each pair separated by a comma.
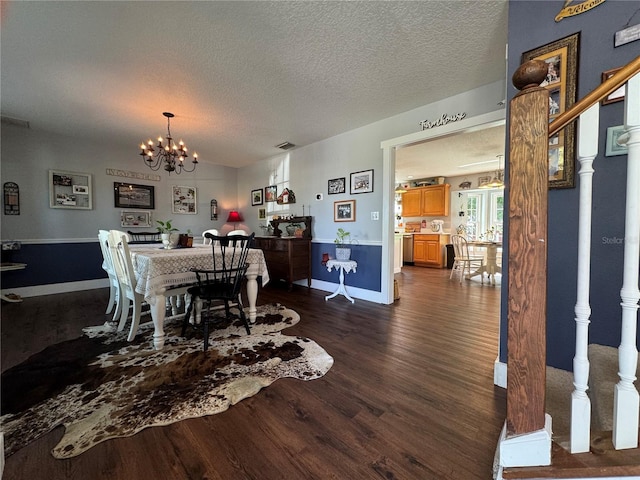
[[359, 149]]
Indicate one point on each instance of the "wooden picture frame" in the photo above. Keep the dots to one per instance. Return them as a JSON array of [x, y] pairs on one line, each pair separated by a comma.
[[562, 59], [336, 186], [184, 200], [70, 190], [129, 218], [256, 197], [615, 96], [128, 195], [361, 182], [344, 211], [270, 193]]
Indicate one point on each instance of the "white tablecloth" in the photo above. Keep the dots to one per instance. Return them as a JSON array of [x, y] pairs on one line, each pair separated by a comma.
[[158, 269]]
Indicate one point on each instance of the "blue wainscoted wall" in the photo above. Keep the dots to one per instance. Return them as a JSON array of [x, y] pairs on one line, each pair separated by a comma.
[[367, 276], [54, 263]]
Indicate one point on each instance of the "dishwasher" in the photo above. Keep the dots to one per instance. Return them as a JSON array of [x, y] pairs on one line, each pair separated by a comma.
[[407, 249]]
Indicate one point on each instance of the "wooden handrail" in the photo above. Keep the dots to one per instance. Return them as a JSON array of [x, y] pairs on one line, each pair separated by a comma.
[[605, 88]]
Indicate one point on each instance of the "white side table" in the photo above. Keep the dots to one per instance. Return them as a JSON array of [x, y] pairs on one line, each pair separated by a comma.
[[345, 266]]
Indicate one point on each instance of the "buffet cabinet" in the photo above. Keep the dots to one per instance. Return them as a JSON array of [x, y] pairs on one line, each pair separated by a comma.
[[288, 258], [432, 201], [429, 249]]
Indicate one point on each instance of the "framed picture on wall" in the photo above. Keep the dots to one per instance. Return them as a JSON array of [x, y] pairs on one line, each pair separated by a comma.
[[561, 58], [362, 182], [183, 200], [256, 197], [344, 211], [270, 193], [130, 218], [70, 190], [615, 96], [336, 185], [128, 195]]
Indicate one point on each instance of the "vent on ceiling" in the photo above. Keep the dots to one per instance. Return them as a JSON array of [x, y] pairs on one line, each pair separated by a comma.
[[285, 146], [15, 121]]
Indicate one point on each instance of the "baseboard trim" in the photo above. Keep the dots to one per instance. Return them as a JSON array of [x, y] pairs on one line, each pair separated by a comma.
[[53, 288]]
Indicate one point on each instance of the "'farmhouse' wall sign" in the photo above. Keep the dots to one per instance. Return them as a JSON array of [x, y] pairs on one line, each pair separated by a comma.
[[443, 120]]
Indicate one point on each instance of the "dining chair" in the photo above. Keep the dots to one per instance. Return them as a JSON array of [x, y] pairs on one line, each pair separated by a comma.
[[212, 231], [144, 237], [236, 232], [222, 284], [123, 266], [107, 266], [463, 259]]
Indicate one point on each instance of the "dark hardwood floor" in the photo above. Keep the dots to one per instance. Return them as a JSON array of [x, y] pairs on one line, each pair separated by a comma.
[[410, 395]]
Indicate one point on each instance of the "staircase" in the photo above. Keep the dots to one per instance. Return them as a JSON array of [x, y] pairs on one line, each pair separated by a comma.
[[527, 447]]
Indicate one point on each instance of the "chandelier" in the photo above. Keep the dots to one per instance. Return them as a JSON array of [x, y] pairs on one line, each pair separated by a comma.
[[169, 155]]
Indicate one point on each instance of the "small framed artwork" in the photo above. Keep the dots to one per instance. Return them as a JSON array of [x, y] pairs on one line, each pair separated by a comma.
[[262, 213], [337, 185], [183, 200], [615, 96], [135, 219], [270, 193], [344, 211], [483, 181], [70, 190], [561, 57], [362, 182], [127, 195], [256, 197], [613, 148]]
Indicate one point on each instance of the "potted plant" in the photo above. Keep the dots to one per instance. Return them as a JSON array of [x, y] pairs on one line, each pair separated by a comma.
[[167, 232], [343, 252]]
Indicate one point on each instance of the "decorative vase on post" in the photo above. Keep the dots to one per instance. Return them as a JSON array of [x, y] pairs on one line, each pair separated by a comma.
[[343, 253]]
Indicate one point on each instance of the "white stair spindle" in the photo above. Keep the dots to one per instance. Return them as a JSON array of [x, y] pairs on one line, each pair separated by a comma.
[[588, 125], [626, 400]]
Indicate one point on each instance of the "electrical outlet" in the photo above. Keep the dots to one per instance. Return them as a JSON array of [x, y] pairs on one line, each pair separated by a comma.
[[375, 215]]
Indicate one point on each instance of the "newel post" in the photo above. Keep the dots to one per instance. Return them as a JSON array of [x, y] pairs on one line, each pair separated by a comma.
[[527, 433]]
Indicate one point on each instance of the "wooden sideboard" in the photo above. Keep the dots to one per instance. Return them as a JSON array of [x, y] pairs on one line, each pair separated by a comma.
[[288, 258]]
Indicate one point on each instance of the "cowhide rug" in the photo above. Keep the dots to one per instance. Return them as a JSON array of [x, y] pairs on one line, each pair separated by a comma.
[[100, 386]]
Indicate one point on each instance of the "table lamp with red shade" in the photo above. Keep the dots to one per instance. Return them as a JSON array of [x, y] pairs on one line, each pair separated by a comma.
[[234, 217]]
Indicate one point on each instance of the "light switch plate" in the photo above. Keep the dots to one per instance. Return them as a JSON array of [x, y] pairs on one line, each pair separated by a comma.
[[375, 215]]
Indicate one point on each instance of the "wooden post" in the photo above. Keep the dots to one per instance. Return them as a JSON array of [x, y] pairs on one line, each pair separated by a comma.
[[527, 287]]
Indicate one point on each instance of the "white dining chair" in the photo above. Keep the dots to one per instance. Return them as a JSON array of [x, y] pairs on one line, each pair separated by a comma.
[[123, 266], [212, 231], [463, 260], [237, 232], [107, 266]]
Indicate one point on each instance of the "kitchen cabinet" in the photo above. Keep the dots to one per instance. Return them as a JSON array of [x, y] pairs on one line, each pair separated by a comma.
[[288, 258], [431, 201], [429, 249]]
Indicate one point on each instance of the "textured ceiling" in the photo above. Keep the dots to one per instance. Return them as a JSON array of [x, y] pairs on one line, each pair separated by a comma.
[[241, 77]]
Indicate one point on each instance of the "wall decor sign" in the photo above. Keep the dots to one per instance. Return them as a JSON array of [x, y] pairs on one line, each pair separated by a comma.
[[183, 200], [627, 35], [70, 190], [137, 175], [344, 211], [613, 148], [561, 57], [270, 193], [615, 96], [128, 195], [130, 218], [443, 120], [256, 197], [337, 185], [11, 198], [262, 213], [362, 182], [570, 10]]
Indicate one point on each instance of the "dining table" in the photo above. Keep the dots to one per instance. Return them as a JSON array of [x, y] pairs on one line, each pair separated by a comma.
[[490, 265], [162, 272]]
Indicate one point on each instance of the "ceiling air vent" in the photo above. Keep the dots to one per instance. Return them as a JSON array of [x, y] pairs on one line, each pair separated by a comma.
[[15, 121], [285, 146]]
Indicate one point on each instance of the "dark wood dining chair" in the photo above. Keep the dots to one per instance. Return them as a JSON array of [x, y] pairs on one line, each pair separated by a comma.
[[220, 285], [144, 237]]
